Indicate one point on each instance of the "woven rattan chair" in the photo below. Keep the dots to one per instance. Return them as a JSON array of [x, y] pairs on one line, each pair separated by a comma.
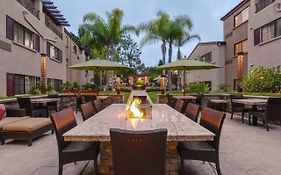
[[30, 109], [79, 101], [138, 152], [237, 107], [98, 105], [171, 101], [107, 102], [70, 152], [89, 98], [179, 105], [199, 98], [87, 110], [192, 111], [272, 112], [205, 151]]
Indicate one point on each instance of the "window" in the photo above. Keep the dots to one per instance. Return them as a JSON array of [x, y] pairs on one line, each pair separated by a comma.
[[241, 17], [54, 52], [261, 4], [66, 41], [241, 47], [268, 32], [207, 57], [19, 33], [29, 39], [74, 49]]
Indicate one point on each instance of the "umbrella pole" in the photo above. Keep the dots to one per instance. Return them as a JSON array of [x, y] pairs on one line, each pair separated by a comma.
[[184, 76]]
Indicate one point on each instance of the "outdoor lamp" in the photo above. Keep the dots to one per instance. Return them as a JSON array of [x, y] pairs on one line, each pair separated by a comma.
[[43, 72]]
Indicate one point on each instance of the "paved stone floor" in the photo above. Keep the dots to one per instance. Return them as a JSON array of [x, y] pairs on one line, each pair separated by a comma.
[[245, 150]]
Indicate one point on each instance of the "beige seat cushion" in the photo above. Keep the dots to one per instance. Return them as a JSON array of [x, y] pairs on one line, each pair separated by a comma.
[[28, 125], [8, 120]]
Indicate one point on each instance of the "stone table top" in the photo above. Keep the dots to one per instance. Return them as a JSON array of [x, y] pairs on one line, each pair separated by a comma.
[[189, 97], [180, 128], [219, 101], [251, 101], [44, 100]]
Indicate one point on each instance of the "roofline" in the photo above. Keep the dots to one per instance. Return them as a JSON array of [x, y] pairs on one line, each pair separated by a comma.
[[218, 43], [234, 9]]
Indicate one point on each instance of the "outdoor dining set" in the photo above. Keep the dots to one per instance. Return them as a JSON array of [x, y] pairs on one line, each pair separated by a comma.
[[182, 129]]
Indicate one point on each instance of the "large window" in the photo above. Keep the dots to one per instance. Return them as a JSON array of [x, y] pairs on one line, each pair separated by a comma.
[[54, 52], [241, 47], [261, 4], [268, 32], [19, 33], [241, 17], [23, 36], [206, 58]]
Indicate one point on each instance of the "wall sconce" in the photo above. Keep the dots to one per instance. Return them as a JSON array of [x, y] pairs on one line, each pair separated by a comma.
[[43, 72]]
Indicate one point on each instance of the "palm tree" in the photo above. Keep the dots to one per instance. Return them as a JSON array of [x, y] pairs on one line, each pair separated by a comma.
[[104, 35], [155, 31], [180, 41]]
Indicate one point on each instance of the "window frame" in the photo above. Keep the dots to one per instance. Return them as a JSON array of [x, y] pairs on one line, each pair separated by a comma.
[[241, 19], [241, 47]]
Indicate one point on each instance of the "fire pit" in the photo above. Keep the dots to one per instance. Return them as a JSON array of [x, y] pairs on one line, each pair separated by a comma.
[[139, 107]]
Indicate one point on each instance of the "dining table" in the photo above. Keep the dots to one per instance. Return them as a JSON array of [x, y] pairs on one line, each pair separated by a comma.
[[254, 102], [180, 129]]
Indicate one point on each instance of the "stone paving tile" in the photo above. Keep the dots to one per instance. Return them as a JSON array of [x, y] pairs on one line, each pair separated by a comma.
[[245, 150]]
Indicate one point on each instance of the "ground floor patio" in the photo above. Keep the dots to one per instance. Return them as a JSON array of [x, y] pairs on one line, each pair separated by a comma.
[[245, 150]]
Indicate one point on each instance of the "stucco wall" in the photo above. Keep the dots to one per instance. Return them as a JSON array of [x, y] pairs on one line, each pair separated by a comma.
[[266, 54], [216, 76]]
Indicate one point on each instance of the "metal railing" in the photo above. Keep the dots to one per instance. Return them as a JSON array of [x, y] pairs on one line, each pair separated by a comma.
[[261, 4], [30, 6], [54, 27]]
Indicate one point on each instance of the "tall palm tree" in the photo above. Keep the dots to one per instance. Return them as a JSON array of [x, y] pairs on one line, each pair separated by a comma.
[[155, 31], [104, 34], [180, 41]]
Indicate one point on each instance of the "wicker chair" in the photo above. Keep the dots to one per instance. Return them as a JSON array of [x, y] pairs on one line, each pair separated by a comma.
[[69, 152], [87, 110], [199, 98], [107, 102], [171, 101], [53, 106], [179, 105], [30, 109], [138, 152], [237, 107], [192, 111], [272, 112], [79, 101], [208, 150], [89, 98], [98, 105]]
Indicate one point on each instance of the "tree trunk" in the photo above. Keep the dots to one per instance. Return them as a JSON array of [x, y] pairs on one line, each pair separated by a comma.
[[170, 60], [179, 72]]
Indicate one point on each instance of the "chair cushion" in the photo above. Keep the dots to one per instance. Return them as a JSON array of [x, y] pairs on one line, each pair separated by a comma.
[[28, 125], [8, 120], [195, 146], [2, 111], [80, 146]]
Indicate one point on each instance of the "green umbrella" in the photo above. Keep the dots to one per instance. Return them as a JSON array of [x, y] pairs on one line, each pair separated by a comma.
[[185, 64], [99, 65]]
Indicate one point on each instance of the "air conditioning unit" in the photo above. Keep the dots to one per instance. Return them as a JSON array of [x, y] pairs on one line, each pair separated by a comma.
[[277, 7]]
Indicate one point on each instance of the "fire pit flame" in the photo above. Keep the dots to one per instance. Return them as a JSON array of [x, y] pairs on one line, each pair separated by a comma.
[[135, 110]]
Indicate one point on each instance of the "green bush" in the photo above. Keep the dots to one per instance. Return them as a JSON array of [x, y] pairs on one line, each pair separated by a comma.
[[223, 87], [89, 86], [75, 85], [125, 89], [197, 87], [66, 85], [50, 88], [153, 89], [35, 89], [262, 80]]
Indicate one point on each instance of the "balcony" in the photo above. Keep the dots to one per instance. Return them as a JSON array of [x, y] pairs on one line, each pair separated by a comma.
[[261, 4], [30, 6], [53, 26]]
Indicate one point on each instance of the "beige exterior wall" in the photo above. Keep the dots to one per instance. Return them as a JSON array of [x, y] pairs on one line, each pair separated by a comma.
[[233, 35], [265, 54], [22, 60], [216, 76]]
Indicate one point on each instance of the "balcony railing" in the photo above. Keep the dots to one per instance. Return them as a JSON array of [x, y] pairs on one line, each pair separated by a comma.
[[261, 4], [30, 6], [54, 27]]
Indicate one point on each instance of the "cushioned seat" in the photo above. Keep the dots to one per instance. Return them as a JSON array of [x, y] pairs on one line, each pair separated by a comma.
[[8, 120], [27, 125], [195, 146]]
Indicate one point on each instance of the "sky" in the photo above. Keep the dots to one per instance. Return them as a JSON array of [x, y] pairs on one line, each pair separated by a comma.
[[205, 15]]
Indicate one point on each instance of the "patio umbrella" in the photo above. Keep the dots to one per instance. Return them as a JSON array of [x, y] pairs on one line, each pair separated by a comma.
[[185, 64], [99, 65]]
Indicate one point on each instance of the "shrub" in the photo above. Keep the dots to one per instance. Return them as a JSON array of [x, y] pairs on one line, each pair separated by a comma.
[[89, 86], [50, 88], [262, 80], [125, 89], [35, 89], [66, 86], [152, 89], [197, 87], [75, 85], [223, 87]]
